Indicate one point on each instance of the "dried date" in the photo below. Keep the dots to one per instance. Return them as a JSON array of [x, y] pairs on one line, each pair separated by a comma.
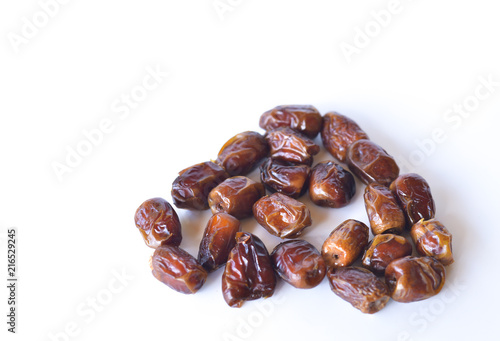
[[304, 119], [288, 145], [330, 185], [283, 177], [383, 210], [383, 249], [345, 243], [432, 239]]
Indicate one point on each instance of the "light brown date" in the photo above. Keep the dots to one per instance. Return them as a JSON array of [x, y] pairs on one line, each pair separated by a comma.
[[345, 243], [304, 119], [236, 196], [299, 263], [158, 223], [283, 177], [383, 249], [414, 197], [249, 273], [242, 153], [190, 189], [413, 279], [383, 210], [281, 215], [338, 133], [178, 269], [433, 239], [359, 287], [330, 185], [288, 145], [218, 240], [371, 163]]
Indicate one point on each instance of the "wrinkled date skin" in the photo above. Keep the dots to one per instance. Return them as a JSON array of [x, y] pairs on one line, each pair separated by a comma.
[[158, 223], [242, 153], [281, 215], [190, 189], [218, 240], [345, 243], [304, 119], [249, 273], [288, 145], [330, 185], [236, 196], [383, 249], [338, 133], [412, 279], [371, 163], [383, 210], [414, 197], [283, 177], [359, 287], [178, 269], [299, 263], [433, 239]]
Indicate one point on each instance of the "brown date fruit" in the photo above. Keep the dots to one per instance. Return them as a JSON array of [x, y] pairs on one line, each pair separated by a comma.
[[281, 215], [383, 210], [190, 189], [371, 163], [218, 240], [158, 223], [178, 269], [299, 263], [283, 177], [249, 273], [242, 153], [345, 243], [414, 197], [383, 249], [338, 133], [413, 279], [236, 196], [304, 119], [433, 239], [330, 185], [359, 287], [288, 145]]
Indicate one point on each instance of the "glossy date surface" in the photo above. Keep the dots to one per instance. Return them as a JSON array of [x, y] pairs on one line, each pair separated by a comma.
[[283, 177], [383, 249], [433, 239], [304, 119], [249, 273], [178, 269], [383, 210], [338, 133], [330, 185], [288, 145], [345, 243], [299, 263], [281, 215], [242, 153], [218, 240], [191, 188], [158, 223]]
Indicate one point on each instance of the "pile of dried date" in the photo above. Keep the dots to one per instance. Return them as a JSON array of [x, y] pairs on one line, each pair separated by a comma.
[[393, 203]]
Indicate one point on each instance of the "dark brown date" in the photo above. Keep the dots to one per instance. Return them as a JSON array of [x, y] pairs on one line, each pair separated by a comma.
[[432, 239], [158, 223], [371, 163], [281, 215], [242, 153], [413, 279], [383, 249], [218, 240], [283, 177], [414, 197], [345, 243], [236, 196], [299, 263], [288, 145], [338, 133], [383, 210], [249, 273], [178, 269], [330, 185], [304, 119], [190, 189], [359, 287]]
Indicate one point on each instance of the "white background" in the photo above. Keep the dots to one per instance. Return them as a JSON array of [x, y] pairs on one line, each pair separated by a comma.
[[76, 232]]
